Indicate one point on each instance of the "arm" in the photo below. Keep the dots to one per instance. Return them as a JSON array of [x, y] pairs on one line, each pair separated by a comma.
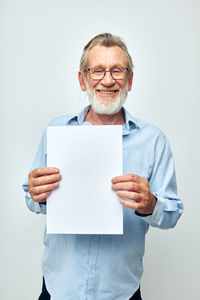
[[156, 197], [41, 180]]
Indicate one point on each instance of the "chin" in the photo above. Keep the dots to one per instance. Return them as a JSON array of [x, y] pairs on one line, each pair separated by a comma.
[[106, 109], [108, 106], [112, 107]]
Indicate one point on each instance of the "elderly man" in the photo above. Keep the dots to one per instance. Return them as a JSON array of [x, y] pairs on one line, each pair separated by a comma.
[[108, 267]]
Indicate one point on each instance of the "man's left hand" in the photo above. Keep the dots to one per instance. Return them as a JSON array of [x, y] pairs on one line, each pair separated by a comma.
[[136, 188]]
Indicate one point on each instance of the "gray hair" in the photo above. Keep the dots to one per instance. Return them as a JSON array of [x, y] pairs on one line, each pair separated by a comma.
[[106, 40]]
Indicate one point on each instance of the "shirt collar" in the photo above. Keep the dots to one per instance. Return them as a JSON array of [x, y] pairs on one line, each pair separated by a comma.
[[130, 122], [79, 118]]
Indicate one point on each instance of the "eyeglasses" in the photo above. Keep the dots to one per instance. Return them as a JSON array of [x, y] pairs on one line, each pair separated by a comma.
[[117, 73]]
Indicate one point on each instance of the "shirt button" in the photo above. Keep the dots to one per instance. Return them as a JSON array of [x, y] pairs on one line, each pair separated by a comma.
[[91, 270], [94, 238]]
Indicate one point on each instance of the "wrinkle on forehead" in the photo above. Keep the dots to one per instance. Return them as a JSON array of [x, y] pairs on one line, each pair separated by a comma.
[[106, 57]]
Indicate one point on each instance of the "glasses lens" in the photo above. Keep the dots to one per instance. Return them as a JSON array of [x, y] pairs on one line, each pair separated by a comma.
[[97, 73], [118, 73]]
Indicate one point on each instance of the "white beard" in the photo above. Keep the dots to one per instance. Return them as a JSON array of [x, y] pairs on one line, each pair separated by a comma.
[[110, 108]]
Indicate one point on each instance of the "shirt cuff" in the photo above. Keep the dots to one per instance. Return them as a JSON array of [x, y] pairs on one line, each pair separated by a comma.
[[35, 207], [145, 215], [155, 218]]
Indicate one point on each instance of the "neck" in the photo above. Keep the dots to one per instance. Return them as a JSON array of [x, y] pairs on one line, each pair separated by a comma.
[[97, 119]]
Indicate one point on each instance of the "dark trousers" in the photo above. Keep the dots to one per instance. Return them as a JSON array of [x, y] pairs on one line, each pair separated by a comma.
[[45, 295]]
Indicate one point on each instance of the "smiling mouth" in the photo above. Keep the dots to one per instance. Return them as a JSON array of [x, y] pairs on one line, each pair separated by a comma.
[[110, 92]]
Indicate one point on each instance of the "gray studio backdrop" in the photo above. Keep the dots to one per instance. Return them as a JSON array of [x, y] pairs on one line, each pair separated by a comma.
[[40, 47]]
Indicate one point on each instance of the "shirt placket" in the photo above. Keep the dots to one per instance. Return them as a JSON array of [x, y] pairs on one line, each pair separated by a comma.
[[92, 270]]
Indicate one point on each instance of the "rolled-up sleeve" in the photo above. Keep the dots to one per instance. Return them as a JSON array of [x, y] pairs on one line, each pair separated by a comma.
[[39, 161], [163, 186]]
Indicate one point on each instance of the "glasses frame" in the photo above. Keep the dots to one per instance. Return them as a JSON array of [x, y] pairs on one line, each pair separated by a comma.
[[88, 70]]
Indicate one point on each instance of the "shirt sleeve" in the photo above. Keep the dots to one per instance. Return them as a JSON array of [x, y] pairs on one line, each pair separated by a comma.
[[39, 161], [163, 186]]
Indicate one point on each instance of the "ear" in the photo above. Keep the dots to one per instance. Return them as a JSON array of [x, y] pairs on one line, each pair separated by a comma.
[[130, 81], [82, 81]]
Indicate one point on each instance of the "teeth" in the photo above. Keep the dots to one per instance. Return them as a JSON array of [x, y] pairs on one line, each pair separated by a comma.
[[107, 91]]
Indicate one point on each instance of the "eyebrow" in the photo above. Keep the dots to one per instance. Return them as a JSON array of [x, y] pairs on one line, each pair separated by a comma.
[[114, 66]]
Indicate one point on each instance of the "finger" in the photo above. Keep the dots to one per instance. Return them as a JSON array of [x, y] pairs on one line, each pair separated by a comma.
[[44, 171], [43, 180], [41, 197], [130, 195], [44, 188], [125, 178], [129, 204], [129, 186]]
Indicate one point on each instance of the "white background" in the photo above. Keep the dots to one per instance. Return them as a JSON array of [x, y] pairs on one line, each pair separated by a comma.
[[40, 47]]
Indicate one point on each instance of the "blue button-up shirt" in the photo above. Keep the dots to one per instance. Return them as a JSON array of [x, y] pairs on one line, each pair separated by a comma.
[[109, 267]]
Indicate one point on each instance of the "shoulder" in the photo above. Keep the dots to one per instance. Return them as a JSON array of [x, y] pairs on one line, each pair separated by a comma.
[[58, 121], [150, 128], [144, 127], [61, 121]]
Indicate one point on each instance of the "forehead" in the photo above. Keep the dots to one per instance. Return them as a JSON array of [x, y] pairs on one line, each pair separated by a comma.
[[106, 57]]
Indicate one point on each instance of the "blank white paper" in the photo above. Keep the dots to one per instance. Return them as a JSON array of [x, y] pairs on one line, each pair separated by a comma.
[[88, 158]]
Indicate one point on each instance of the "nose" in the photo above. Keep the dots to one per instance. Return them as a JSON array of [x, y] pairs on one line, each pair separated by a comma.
[[108, 79]]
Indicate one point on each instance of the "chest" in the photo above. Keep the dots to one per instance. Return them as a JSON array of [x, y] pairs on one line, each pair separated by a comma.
[[137, 156]]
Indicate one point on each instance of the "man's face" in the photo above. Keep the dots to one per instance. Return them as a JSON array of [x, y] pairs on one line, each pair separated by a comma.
[[106, 95]]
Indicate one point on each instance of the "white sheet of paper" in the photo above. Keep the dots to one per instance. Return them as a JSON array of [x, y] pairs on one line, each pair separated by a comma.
[[88, 157]]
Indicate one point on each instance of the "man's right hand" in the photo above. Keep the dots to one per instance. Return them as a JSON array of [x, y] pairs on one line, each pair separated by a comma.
[[42, 181]]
